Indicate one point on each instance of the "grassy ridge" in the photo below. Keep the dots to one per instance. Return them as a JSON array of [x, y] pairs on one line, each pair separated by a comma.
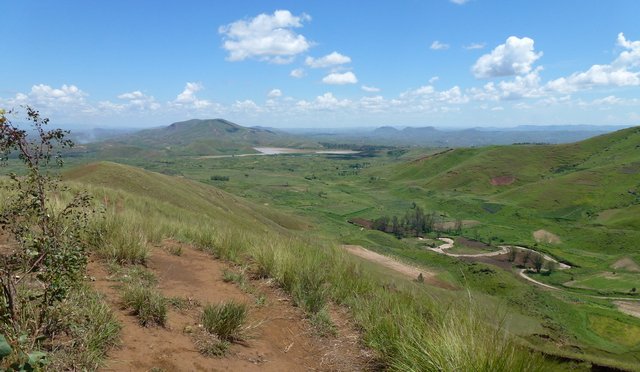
[[399, 324]]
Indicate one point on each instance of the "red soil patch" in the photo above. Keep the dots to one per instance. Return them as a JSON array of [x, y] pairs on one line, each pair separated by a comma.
[[280, 339], [503, 180], [367, 224]]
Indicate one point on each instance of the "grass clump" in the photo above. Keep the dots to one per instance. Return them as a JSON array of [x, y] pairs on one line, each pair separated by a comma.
[[323, 324], [225, 320], [145, 303], [119, 239]]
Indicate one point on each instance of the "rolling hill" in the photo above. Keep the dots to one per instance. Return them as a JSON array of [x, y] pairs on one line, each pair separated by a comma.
[[197, 138]]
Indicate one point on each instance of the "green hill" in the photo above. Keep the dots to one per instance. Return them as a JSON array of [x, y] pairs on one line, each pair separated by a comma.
[[196, 137], [599, 173], [181, 193]]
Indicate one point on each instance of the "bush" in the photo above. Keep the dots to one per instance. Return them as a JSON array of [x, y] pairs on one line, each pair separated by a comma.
[[225, 320], [146, 303], [219, 178]]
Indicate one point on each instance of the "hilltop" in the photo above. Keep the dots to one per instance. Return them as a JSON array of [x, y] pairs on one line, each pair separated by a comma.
[[195, 137]]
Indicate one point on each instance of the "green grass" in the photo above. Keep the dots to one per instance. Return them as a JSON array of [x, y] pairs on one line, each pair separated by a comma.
[[304, 264], [225, 320], [147, 304]]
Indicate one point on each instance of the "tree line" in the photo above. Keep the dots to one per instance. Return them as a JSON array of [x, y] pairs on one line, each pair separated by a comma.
[[416, 222]]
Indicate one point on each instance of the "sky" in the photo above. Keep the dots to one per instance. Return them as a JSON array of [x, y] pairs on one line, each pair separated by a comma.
[[314, 64]]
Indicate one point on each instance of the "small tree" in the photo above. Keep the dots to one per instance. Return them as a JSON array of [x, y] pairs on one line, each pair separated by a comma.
[[48, 257], [538, 262], [513, 253], [551, 267]]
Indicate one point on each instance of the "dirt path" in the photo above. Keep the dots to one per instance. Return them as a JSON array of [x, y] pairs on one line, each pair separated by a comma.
[[397, 266], [279, 337], [448, 244], [629, 307], [522, 273]]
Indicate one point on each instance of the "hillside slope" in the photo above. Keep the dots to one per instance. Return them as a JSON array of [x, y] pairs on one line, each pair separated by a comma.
[[601, 172], [196, 137]]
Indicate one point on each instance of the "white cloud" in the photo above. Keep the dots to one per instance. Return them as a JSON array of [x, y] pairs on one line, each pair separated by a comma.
[[459, 2], [266, 37], [340, 78], [473, 46], [514, 57], [325, 102], [370, 89], [246, 106], [436, 45], [134, 100], [623, 71], [274, 93], [189, 99], [297, 73], [329, 60], [434, 79], [68, 98]]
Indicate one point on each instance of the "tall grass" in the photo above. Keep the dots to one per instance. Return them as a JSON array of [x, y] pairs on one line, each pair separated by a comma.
[[225, 320], [405, 326]]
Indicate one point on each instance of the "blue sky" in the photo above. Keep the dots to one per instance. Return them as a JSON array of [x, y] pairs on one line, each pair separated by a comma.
[[451, 63]]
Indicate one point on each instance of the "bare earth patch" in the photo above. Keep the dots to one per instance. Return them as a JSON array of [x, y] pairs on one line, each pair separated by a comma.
[[399, 267], [629, 307], [503, 180], [626, 264], [544, 236], [279, 337]]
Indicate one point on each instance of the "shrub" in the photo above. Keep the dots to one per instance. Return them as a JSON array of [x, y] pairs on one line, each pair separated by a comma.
[[225, 320]]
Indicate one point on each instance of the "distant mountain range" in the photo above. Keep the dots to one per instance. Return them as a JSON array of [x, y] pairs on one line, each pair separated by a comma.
[[470, 137]]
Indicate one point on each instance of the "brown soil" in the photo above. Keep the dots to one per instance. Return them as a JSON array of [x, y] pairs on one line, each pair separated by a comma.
[[626, 264], [503, 180], [399, 267], [279, 337], [544, 236], [472, 243], [367, 224], [629, 307]]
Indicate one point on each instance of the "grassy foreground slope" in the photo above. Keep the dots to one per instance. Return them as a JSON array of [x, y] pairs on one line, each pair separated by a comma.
[[195, 137], [408, 329]]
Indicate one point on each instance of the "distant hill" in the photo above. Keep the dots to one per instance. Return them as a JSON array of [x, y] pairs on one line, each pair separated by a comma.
[[585, 177], [196, 137], [469, 137]]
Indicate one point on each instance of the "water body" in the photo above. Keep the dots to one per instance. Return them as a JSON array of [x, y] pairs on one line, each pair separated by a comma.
[[283, 150]]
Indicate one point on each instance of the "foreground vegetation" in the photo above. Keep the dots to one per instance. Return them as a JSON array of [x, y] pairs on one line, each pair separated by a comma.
[[398, 321]]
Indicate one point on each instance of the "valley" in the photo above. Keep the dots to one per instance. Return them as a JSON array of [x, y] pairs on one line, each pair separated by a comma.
[[571, 203]]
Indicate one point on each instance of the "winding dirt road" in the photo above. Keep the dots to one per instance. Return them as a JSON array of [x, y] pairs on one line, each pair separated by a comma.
[[397, 266]]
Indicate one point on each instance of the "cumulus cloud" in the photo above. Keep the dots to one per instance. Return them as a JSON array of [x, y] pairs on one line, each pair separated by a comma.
[[337, 78], [436, 45], [297, 73], [514, 57], [329, 60], [370, 89], [623, 71], [268, 37], [274, 93], [67, 98], [326, 101], [135, 100], [189, 99]]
